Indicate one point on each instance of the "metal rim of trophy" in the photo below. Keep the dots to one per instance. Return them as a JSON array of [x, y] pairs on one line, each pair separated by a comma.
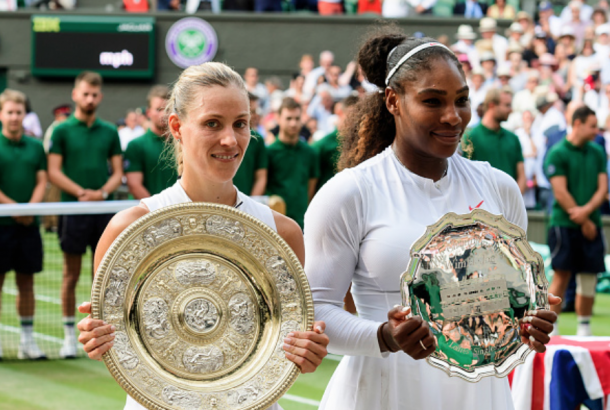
[[254, 262]]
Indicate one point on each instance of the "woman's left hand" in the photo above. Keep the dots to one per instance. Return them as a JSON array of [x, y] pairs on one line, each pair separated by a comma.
[[536, 336], [307, 349]]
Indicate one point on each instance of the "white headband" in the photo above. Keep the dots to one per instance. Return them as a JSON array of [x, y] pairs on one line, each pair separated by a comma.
[[409, 55]]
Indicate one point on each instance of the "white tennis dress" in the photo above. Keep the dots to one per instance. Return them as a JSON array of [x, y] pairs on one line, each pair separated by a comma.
[[176, 195], [358, 230]]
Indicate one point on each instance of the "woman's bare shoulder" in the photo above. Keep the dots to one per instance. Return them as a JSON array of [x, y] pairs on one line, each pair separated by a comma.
[[286, 227], [126, 217]]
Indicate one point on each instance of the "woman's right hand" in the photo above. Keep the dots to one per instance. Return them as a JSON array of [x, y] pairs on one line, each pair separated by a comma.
[[410, 335], [96, 335]]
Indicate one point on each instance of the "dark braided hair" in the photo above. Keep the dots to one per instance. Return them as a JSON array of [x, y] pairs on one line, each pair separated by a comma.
[[370, 127]]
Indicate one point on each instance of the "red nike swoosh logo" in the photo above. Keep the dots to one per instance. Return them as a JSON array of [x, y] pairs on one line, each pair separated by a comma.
[[480, 203]]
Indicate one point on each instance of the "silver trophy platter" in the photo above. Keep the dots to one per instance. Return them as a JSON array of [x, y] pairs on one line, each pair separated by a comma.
[[473, 277]]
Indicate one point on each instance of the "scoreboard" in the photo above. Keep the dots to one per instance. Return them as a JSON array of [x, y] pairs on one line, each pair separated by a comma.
[[115, 47]]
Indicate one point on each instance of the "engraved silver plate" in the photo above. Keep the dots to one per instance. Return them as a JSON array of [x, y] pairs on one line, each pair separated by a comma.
[[473, 277], [202, 297]]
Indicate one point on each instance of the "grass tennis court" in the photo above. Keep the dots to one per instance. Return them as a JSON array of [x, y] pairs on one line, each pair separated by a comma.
[[84, 383]]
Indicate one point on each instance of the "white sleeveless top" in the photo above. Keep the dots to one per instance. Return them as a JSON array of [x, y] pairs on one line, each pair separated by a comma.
[[176, 195]]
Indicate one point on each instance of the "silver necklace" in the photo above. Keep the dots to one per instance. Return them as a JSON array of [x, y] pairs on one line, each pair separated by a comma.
[[396, 155]]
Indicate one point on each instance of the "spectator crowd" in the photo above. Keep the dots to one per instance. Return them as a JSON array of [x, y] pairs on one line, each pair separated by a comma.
[[474, 9]]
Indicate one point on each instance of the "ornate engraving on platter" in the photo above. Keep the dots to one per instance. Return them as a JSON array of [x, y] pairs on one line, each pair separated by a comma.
[[248, 393], [218, 225], [133, 253], [207, 359], [242, 313], [127, 357], [292, 311], [201, 315], [155, 312], [148, 380], [115, 292], [289, 326], [260, 248], [192, 224], [285, 283], [161, 232], [195, 272], [165, 285], [181, 398]]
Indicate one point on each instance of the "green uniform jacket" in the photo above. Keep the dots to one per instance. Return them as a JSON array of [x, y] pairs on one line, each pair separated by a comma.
[[581, 166], [290, 169], [328, 151], [501, 149], [147, 154], [19, 164], [85, 152], [255, 158]]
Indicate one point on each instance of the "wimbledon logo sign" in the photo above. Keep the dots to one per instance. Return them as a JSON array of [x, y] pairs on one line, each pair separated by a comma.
[[191, 41]]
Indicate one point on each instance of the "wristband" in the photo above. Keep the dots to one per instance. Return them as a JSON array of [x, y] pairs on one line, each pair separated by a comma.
[[382, 340]]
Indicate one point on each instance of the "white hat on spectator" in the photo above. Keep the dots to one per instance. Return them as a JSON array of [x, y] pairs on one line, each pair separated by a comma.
[[602, 29], [514, 48], [487, 56], [487, 24], [533, 74], [546, 99], [516, 27], [503, 71], [67, 4], [539, 32], [567, 31], [465, 32], [484, 45], [523, 15], [478, 71]]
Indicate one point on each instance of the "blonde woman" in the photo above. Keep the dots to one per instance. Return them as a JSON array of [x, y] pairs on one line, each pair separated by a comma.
[[209, 120]]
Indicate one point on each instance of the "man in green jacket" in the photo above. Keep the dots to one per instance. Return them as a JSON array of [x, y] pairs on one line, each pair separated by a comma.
[[23, 179], [82, 148], [576, 168], [148, 165], [294, 167], [489, 142]]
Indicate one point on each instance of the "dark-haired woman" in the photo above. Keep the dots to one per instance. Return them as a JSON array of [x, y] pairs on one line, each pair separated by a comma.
[[400, 174]]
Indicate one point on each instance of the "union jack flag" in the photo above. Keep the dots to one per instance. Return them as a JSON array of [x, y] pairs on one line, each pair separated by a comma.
[[572, 371]]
